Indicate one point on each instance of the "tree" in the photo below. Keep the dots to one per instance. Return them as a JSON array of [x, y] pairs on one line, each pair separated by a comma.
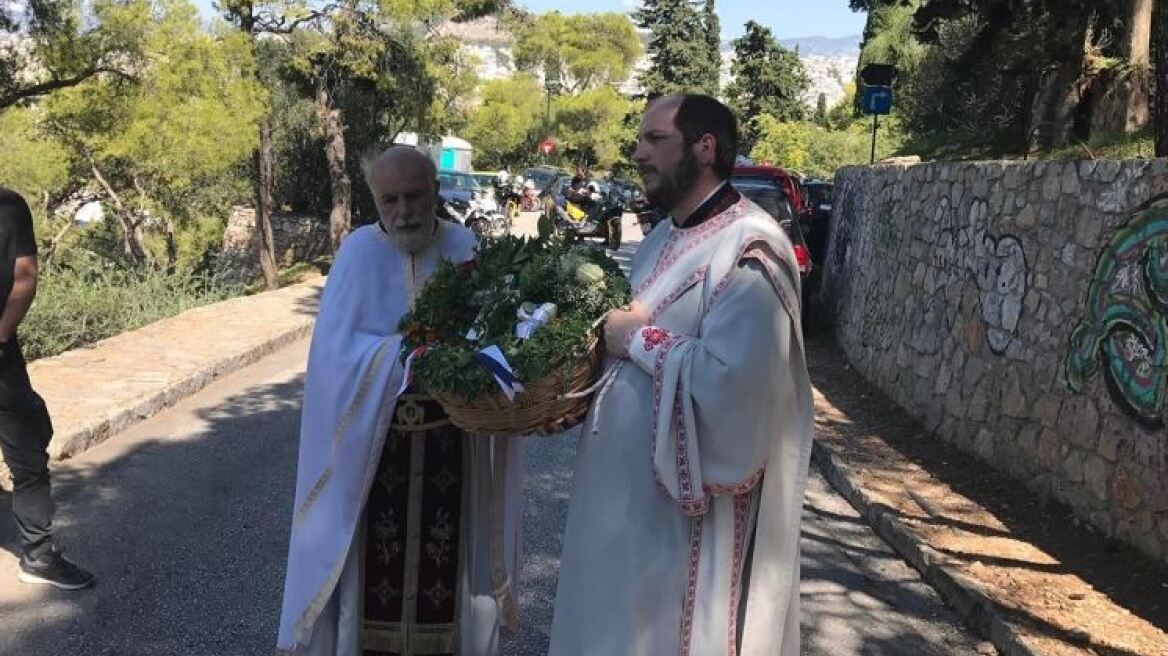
[[821, 111], [1160, 53], [713, 41], [158, 145], [34, 165], [584, 51], [58, 44], [354, 52], [253, 20], [817, 152], [678, 48], [591, 126], [503, 126], [768, 79]]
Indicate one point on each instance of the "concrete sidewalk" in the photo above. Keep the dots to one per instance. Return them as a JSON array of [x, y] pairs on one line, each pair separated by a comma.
[[95, 391]]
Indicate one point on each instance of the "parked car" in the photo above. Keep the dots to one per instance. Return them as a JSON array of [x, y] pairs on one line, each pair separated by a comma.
[[819, 196], [775, 191], [628, 190], [771, 175], [487, 179], [456, 185], [542, 176]]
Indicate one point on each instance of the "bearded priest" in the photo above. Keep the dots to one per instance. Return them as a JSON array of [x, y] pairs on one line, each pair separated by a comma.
[[683, 526], [405, 530]]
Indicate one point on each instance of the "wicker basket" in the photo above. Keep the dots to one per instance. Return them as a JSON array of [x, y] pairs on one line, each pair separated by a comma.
[[541, 407]]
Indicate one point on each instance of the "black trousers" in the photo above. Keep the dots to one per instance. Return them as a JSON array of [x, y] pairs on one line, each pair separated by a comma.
[[25, 431]]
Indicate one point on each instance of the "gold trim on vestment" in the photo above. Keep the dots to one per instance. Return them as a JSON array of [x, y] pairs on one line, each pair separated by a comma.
[[413, 537], [339, 434], [498, 502]]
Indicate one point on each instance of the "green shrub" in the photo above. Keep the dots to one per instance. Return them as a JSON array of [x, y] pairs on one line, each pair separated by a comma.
[[77, 307]]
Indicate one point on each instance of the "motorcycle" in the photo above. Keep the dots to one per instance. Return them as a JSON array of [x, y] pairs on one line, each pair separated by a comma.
[[648, 216], [529, 201], [510, 196], [601, 222], [481, 215]]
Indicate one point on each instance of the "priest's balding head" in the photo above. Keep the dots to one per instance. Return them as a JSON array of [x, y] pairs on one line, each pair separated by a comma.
[[404, 184]]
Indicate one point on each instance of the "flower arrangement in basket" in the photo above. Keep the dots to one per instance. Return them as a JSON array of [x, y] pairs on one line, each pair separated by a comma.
[[507, 341]]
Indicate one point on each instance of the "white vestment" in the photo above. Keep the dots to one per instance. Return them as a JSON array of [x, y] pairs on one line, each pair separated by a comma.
[[683, 527], [352, 384]]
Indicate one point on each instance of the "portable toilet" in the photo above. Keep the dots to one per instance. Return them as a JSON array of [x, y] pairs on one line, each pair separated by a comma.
[[455, 156]]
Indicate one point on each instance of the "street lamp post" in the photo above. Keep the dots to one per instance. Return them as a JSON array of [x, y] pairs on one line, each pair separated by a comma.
[[553, 86]]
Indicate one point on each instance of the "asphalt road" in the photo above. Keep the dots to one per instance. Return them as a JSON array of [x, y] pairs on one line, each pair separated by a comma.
[[184, 519]]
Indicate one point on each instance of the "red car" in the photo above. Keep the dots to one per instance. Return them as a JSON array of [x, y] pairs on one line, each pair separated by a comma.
[[773, 189]]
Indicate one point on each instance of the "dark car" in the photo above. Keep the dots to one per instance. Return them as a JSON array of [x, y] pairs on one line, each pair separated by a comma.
[[542, 176], [819, 197], [776, 203], [455, 185], [629, 191]]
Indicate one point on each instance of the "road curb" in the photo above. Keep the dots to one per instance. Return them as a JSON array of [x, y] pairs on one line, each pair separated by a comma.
[[78, 441], [75, 437], [966, 596]]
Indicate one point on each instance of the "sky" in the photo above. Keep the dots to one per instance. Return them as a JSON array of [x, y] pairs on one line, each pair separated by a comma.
[[786, 18]]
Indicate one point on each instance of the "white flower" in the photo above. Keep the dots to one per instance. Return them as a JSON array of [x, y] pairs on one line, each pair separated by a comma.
[[589, 274]]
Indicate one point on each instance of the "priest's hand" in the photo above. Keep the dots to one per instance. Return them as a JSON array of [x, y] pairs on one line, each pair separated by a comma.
[[620, 324]]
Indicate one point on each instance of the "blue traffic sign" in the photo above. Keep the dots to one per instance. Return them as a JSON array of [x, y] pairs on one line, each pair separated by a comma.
[[876, 100]]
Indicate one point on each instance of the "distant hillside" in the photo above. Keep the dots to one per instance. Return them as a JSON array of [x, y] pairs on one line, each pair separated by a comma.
[[818, 46]]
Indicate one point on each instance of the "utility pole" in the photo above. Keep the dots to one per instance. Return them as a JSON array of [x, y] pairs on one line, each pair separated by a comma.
[[552, 85]]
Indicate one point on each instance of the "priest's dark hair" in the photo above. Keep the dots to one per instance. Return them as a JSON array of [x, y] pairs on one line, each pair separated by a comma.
[[699, 115]]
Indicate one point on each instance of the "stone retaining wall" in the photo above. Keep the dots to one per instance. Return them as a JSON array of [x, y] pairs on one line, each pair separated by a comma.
[[297, 238], [1020, 310]]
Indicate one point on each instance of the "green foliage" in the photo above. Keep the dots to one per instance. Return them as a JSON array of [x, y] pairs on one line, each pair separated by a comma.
[[170, 143], [75, 307], [35, 167], [817, 152], [62, 43], [504, 127], [584, 51], [680, 50], [998, 76], [769, 80], [486, 296], [591, 126], [844, 114]]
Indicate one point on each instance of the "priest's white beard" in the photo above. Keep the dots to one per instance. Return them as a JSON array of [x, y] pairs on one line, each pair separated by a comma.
[[413, 234]]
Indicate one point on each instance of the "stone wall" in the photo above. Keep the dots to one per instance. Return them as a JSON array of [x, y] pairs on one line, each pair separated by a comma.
[[297, 239], [1020, 310]]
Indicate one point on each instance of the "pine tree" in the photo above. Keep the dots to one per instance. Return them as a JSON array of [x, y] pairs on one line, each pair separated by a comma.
[[821, 111], [678, 47], [713, 44], [768, 79]]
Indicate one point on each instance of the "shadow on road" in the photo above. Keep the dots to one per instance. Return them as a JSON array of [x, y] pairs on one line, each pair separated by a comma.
[[187, 536], [1126, 576]]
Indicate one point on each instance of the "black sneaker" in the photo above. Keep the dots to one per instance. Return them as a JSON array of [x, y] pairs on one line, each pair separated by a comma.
[[51, 568]]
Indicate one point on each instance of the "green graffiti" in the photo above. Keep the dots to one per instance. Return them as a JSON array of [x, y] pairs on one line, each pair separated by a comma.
[[1124, 329]]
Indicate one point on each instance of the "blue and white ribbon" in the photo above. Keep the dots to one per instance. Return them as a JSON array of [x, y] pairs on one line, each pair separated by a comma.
[[496, 364]]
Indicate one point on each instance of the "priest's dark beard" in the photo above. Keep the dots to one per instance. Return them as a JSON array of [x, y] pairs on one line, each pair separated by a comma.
[[673, 185]]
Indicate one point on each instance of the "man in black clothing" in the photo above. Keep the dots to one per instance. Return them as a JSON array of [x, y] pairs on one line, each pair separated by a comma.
[[25, 428]]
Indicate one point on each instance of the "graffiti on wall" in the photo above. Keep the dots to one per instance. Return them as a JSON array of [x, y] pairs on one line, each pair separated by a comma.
[[1124, 330], [996, 263]]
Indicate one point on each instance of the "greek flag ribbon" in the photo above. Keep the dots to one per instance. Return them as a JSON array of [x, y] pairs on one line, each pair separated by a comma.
[[496, 364], [408, 372]]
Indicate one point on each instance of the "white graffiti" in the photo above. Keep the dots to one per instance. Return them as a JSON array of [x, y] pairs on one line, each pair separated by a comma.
[[998, 265]]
